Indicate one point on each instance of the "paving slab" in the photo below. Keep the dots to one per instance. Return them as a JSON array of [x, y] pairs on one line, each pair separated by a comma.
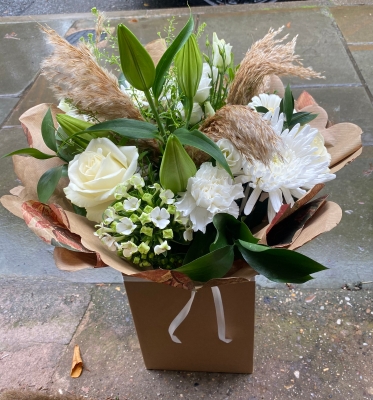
[[24, 47], [318, 44], [38, 93], [363, 56], [6, 106], [345, 104], [314, 344], [355, 23]]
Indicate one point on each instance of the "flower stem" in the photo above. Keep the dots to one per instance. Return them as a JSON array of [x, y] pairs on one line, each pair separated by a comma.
[[188, 111], [156, 115]]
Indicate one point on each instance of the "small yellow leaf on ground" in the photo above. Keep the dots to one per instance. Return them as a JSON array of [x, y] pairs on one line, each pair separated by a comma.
[[77, 366], [117, 288]]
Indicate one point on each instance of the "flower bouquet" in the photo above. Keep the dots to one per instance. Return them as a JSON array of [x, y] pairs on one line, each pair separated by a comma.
[[185, 170]]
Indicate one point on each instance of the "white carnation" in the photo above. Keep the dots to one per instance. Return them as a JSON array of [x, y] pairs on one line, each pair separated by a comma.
[[209, 192]]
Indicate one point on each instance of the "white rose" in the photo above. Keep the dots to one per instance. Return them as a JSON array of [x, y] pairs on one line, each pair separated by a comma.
[[221, 53], [95, 173], [231, 154], [209, 192]]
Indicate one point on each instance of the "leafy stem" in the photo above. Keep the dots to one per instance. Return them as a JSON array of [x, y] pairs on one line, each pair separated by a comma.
[[155, 112]]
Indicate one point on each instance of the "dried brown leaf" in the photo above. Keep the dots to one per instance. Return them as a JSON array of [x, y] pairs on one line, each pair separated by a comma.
[[77, 364]]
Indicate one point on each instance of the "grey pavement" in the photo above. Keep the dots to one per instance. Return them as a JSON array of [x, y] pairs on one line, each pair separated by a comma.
[[313, 341]]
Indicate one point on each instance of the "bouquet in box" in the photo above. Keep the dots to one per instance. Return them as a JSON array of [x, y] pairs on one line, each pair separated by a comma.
[[186, 162]]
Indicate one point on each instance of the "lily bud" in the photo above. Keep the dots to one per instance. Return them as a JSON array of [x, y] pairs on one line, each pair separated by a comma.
[[189, 64], [177, 167], [73, 125]]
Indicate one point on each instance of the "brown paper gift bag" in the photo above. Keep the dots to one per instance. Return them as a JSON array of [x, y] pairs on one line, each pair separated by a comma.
[[154, 306]]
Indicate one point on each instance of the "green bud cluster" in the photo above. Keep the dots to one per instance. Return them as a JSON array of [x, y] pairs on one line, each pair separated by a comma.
[[146, 227]]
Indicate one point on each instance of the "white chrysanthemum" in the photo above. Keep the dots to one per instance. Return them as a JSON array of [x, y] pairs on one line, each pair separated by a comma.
[[303, 163], [209, 192], [269, 101]]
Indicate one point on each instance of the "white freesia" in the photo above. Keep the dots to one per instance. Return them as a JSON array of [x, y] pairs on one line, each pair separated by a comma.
[[203, 91], [131, 204], [161, 248], [302, 164], [221, 53], [95, 174], [209, 192], [269, 101], [210, 72], [160, 217], [197, 113], [231, 154], [125, 226]]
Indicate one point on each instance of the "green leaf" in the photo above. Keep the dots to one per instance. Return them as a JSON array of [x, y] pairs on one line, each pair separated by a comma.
[[129, 128], [166, 60], [212, 265], [200, 244], [279, 265], [301, 118], [137, 65], [31, 152], [262, 109], [79, 210], [199, 140], [288, 104], [189, 64], [48, 131], [229, 229], [48, 182], [176, 167]]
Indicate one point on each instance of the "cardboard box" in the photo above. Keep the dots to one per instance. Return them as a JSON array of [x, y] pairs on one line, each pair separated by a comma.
[[154, 306]]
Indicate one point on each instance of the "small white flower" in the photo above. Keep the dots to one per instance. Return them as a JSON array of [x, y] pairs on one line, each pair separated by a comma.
[[137, 181], [131, 204], [231, 154], [188, 234], [159, 249], [167, 196], [160, 217], [125, 226], [109, 241], [269, 101], [128, 248], [109, 215], [221, 53], [209, 192], [71, 110]]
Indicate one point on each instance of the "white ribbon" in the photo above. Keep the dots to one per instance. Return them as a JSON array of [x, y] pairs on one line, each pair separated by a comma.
[[185, 311], [180, 318], [219, 314]]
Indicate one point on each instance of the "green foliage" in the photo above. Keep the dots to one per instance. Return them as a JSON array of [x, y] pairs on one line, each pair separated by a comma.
[[48, 131], [137, 65], [176, 167], [49, 181], [35, 153]]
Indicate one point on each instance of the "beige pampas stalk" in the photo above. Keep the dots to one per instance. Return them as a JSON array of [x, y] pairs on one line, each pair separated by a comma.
[[253, 137], [75, 74], [266, 57]]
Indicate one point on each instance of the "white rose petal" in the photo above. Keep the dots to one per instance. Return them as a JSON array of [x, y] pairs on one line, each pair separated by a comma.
[[231, 154], [95, 174]]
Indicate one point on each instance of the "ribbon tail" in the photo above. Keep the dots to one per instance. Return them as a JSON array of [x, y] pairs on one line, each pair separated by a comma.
[[180, 318], [219, 314]]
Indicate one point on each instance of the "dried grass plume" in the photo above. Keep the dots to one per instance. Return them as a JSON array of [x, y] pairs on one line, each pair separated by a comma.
[[75, 74], [253, 137], [265, 57]]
